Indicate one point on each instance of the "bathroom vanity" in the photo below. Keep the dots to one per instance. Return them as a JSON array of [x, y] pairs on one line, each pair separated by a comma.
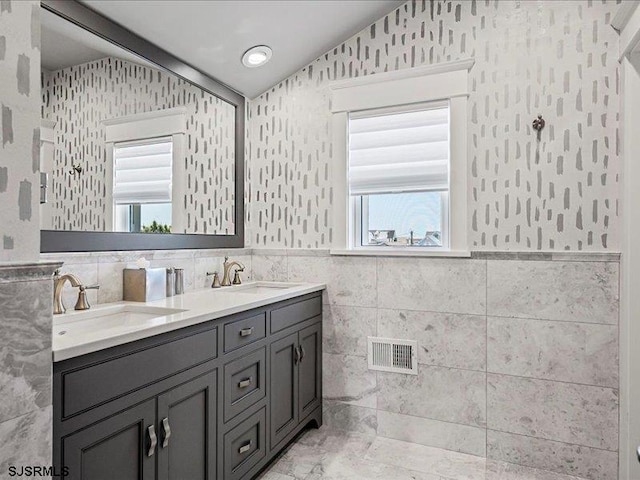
[[212, 384]]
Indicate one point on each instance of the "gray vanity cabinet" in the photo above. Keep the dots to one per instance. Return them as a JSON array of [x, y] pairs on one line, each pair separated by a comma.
[[296, 380], [213, 401], [116, 447], [178, 427], [187, 423], [284, 387], [310, 370]]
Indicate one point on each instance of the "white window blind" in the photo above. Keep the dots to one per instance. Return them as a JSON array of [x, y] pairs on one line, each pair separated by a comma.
[[399, 152], [143, 171]]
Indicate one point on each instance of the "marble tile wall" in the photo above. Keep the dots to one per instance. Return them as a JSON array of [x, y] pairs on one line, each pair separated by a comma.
[[105, 269], [518, 356], [25, 365]]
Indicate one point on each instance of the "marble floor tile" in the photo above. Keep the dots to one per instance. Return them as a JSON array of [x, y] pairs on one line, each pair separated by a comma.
[[272, 475], [329, 454], [342, 467], [431, 460], [508, 471], [330, 440]]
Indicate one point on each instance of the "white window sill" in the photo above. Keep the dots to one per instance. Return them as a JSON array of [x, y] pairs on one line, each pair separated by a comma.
[[401, 252]]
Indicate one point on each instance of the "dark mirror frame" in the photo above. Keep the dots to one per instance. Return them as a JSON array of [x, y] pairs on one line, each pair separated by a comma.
[[71, 241]]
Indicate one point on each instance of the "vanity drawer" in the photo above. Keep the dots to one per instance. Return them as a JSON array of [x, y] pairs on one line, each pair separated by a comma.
[[289, 315], [96, 384], [244, 383], [243, 332], [245, 446]]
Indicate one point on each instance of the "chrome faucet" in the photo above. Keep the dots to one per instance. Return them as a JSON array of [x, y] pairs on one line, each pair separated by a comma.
[[226, 280], [58, 285]]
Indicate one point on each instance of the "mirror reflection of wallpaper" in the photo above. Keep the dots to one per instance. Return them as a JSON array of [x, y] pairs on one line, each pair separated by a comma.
[[79, 98]]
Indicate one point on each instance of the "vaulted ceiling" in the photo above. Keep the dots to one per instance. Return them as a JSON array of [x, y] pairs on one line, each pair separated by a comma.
[[213, 35]]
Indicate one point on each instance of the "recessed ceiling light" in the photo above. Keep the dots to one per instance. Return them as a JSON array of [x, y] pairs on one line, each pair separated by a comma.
[[256, 56]]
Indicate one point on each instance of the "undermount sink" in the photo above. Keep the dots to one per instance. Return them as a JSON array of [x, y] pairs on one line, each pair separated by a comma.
[[262, 288], [117, 316]]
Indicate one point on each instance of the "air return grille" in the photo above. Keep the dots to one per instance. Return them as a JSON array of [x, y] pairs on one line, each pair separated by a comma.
[[393, 355]]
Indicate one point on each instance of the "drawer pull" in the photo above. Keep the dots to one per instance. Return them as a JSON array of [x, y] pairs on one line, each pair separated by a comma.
[[245, 448], [167, 432], [245, 383], [151, 431], [245, 332]]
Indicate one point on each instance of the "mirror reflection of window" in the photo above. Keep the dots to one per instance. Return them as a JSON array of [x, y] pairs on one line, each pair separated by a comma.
[[142, 185]]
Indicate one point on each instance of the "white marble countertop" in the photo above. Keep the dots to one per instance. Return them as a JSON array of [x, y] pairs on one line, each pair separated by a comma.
[[112, 324]]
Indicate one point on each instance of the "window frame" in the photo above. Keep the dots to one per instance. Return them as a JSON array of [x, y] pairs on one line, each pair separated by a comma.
[[357, 229], [360, 210], [402, 89], [134, 214], [168, 123]]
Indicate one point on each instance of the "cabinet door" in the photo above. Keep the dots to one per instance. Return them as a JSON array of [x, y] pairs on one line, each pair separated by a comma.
[[284, 387], [187, 430], [118, 447], [310, 370]]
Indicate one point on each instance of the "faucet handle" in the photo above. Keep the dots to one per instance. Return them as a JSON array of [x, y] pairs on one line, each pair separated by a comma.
[[83, 302], [236, 277], [216, 279]]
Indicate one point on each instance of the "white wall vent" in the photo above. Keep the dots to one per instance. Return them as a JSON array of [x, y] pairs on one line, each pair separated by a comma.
[[393, 355]]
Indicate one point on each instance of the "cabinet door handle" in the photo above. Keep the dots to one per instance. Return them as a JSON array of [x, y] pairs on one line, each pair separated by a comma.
[[245, 332], [296, 355], [167, 432], [153, 440], [245, 383], [301, 353], [245, 448]]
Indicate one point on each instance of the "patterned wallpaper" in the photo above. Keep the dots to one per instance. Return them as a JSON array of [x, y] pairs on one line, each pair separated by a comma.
[[80, 97], [19, 129], [556, 58]]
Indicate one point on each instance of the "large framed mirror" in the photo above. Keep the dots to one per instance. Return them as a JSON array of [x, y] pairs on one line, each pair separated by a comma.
[[139, 151]]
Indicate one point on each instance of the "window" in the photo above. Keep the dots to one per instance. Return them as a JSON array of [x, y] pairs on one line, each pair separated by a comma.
[[400, 162], [142, 185], [399, 177]]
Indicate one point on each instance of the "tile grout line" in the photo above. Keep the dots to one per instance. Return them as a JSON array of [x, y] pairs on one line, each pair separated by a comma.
[[486, 358], [430, 418], [488, 372], [552, 440], [485, 314]]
